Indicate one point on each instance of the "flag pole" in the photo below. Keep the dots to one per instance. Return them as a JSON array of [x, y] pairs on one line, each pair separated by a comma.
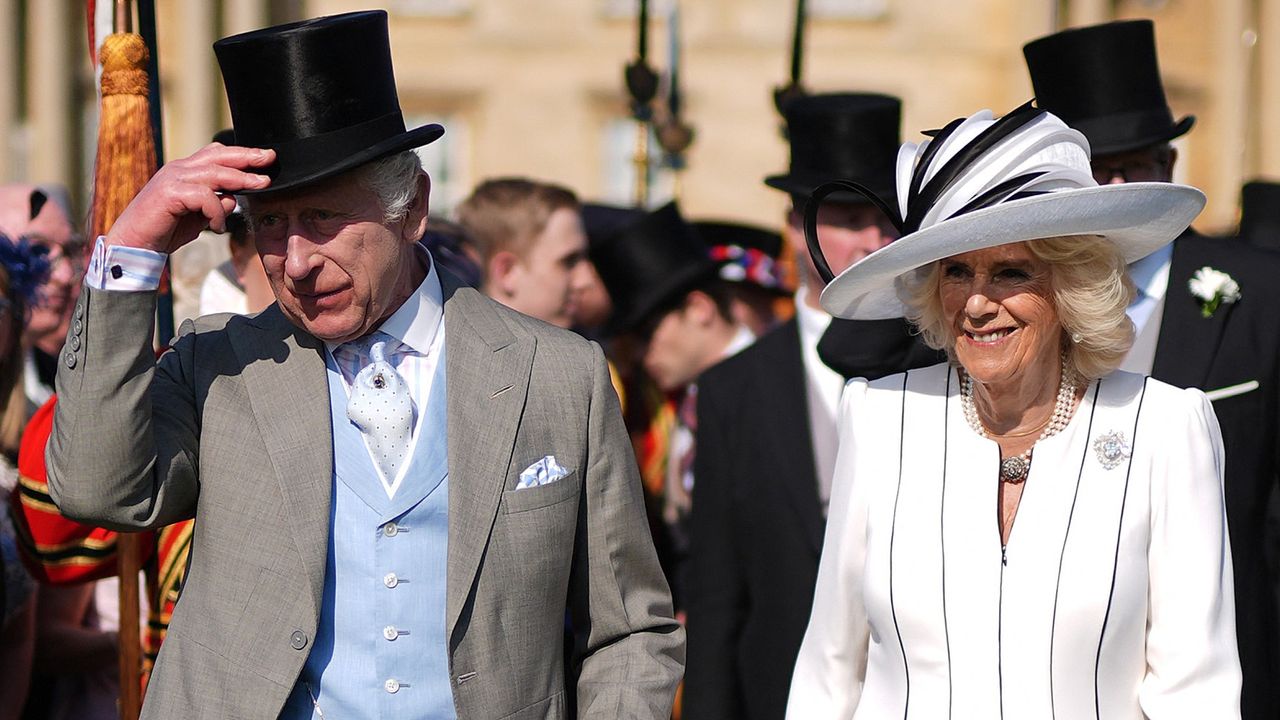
[[794, 88], [642, 86], [126, 160]]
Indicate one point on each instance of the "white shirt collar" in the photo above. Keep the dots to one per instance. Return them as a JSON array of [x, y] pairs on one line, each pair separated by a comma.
[[416, 322], [742, 339], [1151, 273], [813, 322]]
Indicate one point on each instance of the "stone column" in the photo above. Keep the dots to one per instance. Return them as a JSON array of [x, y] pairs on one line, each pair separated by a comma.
[[1231, 108], [191, 79], [1266, 160], [1088, 12], [10, 84], [52, 38], [243, 15]]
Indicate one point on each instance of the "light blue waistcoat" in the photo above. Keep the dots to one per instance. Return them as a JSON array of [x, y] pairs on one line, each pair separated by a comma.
[[380, 648]]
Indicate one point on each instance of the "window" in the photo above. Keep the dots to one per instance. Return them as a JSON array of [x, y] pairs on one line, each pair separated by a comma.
[[430, 8], [621, 9], [848, 9], [619, 168], [445, 160]]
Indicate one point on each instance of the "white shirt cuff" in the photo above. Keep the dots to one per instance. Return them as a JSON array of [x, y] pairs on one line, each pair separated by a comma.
[[124, 269]]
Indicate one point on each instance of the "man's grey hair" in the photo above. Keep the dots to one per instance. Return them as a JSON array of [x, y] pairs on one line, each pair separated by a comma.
[[394, 180]]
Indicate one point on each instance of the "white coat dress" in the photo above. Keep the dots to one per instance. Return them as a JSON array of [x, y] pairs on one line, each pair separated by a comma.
[[1112, 600]]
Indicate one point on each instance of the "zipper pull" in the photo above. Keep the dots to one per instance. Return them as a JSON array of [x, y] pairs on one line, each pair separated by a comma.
[[1004, 556]]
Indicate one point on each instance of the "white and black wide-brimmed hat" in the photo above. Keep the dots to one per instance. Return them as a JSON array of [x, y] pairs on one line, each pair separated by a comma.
[[982, 182]]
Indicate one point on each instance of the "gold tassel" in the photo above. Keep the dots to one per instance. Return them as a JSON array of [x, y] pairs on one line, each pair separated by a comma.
[[126, 147]]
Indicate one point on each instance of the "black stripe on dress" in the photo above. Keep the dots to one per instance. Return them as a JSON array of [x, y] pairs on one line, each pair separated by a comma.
[[1053, 628], [893, 531], [942, 535], [1115, 563]]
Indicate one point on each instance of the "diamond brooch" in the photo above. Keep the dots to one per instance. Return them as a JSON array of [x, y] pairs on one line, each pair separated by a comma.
[[1112, 449]]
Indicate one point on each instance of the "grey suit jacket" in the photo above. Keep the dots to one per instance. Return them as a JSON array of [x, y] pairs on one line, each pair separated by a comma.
[[232, 427]]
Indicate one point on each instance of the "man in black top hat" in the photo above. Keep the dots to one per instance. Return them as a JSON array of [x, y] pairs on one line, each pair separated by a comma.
[[668, 296], [402, 487], [1104, 80], [1260, 214], [766, 437]]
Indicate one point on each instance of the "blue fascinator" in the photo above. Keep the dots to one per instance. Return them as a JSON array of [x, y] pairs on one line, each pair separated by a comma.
[[27, 265]]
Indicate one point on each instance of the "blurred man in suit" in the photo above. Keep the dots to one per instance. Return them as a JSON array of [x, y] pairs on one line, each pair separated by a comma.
[[668, 296], [766, 437], [1105, 81]]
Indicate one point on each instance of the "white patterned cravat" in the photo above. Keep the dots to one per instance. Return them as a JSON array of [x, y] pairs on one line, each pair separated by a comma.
[[380, 405]]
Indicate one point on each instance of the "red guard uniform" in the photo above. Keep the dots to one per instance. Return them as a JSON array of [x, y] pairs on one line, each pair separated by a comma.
[[59, 551]]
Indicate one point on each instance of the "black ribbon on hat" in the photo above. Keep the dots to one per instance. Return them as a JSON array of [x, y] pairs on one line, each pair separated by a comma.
[[922, 195], [872, 349]]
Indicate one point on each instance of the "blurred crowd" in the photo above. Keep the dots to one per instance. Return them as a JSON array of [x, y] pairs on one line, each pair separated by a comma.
[[727, 367]]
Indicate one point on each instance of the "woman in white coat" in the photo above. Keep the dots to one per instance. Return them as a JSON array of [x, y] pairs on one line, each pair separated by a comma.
[[1023, 532]]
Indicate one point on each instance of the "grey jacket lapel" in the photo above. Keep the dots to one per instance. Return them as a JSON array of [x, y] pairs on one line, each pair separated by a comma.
[[488, 368], [284, 377]]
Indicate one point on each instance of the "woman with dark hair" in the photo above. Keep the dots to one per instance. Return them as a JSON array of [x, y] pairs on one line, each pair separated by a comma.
[[1023, 531]]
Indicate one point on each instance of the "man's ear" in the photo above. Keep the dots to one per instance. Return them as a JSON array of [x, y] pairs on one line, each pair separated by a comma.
[[700, 308], [415, 219], [500, 273], [1173, 161]]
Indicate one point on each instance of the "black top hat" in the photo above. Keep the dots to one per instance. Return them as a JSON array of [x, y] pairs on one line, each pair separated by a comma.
[[1260, 214], [1104, 81], [602, 223], [321, 93], [649, 264], [844, 136], [744, 253]]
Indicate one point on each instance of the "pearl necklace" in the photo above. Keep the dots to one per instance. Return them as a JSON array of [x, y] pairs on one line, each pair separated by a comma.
[[1015, 469]]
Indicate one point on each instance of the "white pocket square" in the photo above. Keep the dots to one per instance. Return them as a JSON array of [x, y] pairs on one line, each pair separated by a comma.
[[1232, 390], [543, 472]]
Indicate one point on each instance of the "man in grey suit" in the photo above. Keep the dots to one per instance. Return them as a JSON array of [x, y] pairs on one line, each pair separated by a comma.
[[401, 488]]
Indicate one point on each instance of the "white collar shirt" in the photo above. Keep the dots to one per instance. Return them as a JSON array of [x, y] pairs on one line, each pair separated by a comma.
[[418, 326], [823, 388]]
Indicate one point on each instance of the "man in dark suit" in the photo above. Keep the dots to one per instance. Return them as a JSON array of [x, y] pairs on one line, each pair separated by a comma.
[[766, 433], [1260, 214], [1104, 81]]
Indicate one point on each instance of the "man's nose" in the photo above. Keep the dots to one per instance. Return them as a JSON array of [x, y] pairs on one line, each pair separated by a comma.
[[580, 276], [61, 272], [300, 257]]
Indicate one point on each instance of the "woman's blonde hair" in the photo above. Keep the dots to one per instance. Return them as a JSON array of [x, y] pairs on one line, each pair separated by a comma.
[[1089, 287]]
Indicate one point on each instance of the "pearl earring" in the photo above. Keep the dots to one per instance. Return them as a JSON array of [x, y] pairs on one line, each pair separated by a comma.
[[1076, 338]]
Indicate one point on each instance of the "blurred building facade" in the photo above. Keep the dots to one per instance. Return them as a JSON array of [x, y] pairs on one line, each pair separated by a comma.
[[536, 88]]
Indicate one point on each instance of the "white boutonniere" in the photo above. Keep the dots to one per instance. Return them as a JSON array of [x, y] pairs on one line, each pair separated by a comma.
[[1213, 288]]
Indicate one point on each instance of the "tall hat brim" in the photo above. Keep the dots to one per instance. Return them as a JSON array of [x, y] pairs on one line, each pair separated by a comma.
[[1107, 137], [1139, 218], [318, 161], [804, 186]]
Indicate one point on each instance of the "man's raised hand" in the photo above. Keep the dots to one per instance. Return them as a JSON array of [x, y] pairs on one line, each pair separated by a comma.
[[188, 195]]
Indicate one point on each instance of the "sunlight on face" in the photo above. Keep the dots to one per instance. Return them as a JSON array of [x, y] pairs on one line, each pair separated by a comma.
[[335, 266], [999, 305], [552, 271]]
